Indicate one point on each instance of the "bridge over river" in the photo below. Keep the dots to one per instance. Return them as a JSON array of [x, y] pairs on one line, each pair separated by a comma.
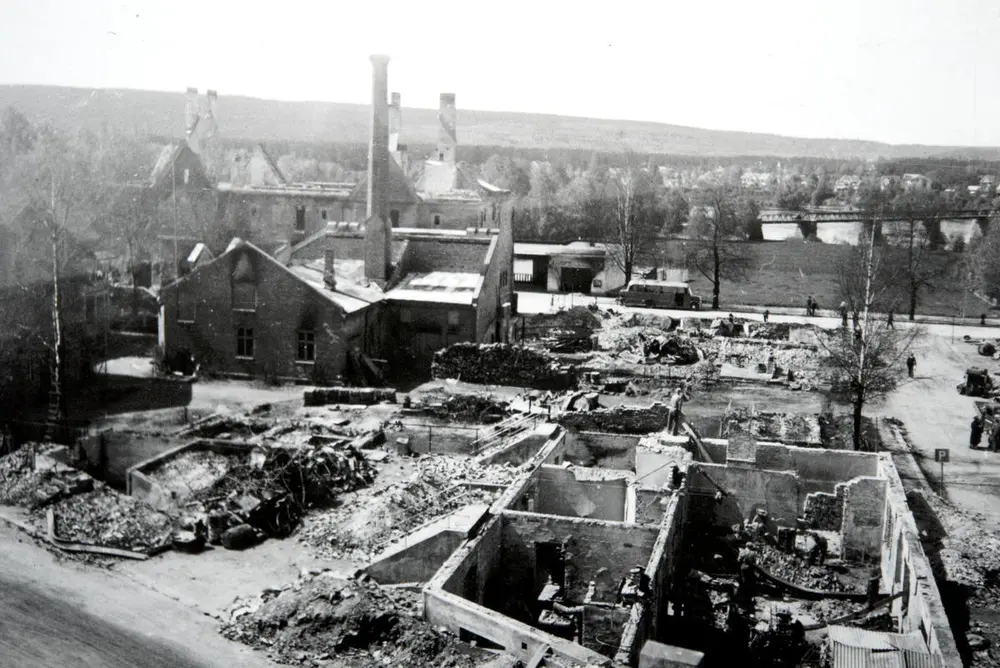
[[845, 225]]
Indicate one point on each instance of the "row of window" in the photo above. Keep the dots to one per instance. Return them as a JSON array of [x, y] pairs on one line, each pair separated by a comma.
[[305, 349], [300, 217]]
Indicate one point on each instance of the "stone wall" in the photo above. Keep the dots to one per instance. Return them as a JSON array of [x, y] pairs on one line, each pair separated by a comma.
[[557, 491], [608, 451]]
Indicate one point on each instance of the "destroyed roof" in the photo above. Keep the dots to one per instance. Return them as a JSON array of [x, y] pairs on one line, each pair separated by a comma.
[[309, 189], [171, 165], [443, 287], [859, 648], [400, 188], [439, 180]]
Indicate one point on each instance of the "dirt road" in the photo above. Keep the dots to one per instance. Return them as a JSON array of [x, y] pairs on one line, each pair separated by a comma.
[[58, 614], [937, 416]]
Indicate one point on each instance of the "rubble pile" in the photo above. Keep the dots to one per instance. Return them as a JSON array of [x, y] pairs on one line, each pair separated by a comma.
[[361, 527], [191, 471], [500, 364], [230, 426], [805, 363], [311, 475], [618, 420], [578, 319], [793, 428], [794, 569], [772, 331], [108, 518], [324, 620]]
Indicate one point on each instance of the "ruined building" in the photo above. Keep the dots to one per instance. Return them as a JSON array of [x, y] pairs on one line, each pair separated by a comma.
[[321, 309], [603, 553]]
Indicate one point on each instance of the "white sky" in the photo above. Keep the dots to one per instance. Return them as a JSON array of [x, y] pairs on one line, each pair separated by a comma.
[[901, 71]]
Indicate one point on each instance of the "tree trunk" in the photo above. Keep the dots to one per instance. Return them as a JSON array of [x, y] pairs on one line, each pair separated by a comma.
[[628, 272], [858, 406], [56, 385], [716, 278], [913, 302]]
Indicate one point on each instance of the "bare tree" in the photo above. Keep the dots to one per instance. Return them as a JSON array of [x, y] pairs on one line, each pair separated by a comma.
[[716, 225], [916, 233], [635, 217], [866, 362], [53, 189]]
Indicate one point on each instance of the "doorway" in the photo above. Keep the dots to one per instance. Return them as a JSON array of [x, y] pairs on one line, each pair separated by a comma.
[[576, 279]]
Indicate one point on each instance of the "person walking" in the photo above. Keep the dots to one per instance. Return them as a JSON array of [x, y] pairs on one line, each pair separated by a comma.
[[843, 314], [767, 314], [976, 432], [982, 319], [888, 321], [809, 306], [911, 364]]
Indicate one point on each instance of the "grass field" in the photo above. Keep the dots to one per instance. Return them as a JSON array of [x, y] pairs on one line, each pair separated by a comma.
[[785, 273]]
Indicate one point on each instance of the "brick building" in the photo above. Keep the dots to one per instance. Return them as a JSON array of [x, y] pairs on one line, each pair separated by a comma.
[[322, 306]]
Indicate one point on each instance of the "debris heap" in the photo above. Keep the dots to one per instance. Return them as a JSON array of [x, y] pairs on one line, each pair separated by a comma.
[[107, 518], [367, 523], [325, 620], [500, 364]]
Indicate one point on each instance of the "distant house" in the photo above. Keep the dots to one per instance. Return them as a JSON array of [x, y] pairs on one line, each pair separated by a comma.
[[916, 182], [846, 185], [757, 180]]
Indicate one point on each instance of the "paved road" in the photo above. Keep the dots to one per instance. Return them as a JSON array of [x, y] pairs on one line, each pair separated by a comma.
[[56, 614]]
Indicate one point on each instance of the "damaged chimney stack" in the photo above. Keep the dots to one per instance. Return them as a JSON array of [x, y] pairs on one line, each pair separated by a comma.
[[447, 138], [395, 123], [377, 235], [190, 110]]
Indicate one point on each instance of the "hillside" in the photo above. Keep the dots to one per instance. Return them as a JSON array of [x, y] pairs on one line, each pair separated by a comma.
[[244, 118]]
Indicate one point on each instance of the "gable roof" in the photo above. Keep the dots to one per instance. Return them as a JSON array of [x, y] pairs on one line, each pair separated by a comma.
[[170, 165], [347, 303]]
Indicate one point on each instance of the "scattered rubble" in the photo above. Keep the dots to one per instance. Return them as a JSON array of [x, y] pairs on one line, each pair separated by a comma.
[[325, 620], [793, 428], [370, 520], [467, 408]]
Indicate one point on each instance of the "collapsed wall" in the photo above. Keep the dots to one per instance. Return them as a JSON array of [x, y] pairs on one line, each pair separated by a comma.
[[618, 420]]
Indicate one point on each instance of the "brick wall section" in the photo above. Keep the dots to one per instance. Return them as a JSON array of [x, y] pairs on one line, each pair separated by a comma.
[[284, 305], [864, 513], [825, 511]]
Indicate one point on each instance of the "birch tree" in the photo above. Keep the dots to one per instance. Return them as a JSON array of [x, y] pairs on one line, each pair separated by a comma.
[[635, 217], [866, 363], [715, 225]]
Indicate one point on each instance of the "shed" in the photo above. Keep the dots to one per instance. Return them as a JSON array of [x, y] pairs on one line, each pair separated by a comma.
[[858, 648]]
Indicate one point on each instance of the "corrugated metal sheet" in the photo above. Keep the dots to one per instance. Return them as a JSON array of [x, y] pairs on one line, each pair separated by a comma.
[[858, 648]]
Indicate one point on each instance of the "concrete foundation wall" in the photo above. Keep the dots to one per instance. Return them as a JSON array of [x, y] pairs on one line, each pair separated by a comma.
[[653, 467], [600, 450], [864, 513], [419, 562], [819, 470], [744, 491], [905, 568], [557, 491], [596, 550]]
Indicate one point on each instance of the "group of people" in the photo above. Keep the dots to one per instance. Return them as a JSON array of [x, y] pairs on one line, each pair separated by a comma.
[[976, 434], [811, 306]]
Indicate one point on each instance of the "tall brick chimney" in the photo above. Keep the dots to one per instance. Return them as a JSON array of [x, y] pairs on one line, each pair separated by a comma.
[[447, 139], [210, 118], [377, 236], [190, 110], [395, 123]]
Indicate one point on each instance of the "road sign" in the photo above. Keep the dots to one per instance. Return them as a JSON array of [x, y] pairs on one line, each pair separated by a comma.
[[941, 455]]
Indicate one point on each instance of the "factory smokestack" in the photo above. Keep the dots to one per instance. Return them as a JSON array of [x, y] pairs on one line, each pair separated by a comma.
[[447, 138], [395, 123], [377, 236]]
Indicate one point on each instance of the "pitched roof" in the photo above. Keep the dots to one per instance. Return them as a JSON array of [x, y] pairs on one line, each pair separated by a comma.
[[443, 180], [441, 287]]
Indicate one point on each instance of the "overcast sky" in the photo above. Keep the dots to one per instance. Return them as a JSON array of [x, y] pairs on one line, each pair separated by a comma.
[[900, 71]]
